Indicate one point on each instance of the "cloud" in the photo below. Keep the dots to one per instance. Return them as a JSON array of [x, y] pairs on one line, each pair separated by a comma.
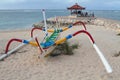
[[102, 4], [11, 1], [113, 3], [58, 4]]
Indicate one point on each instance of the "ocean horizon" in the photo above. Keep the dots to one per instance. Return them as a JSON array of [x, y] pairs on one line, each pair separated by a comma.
[[25, 18]]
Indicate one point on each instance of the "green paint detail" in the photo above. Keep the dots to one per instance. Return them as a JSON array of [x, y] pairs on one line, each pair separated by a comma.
[[53, 36]]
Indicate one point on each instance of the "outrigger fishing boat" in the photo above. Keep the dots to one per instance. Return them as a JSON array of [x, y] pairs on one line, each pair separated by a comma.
[[50, 42]]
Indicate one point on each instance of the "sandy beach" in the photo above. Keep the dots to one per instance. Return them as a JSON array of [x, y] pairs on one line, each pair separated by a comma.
[[85, 64]]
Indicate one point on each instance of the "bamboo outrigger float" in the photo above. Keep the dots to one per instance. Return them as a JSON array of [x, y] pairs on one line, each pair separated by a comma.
[[49, 44]]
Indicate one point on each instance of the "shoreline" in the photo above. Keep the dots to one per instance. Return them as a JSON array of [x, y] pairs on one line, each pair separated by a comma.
[[15, 30], [98, 21]]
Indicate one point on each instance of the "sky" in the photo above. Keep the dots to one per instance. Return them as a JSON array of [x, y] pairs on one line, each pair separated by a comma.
[[60, 4]]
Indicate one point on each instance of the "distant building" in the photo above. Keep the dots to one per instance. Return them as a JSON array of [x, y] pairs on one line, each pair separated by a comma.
[[76, 9]]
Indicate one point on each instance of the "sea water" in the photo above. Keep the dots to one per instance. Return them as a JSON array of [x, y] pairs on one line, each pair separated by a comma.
[[24, 19]]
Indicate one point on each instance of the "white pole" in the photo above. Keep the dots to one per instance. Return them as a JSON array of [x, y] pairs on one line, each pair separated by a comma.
[[10, 52], [45, 21], [56, 21], [104, 61], [13, 50]]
